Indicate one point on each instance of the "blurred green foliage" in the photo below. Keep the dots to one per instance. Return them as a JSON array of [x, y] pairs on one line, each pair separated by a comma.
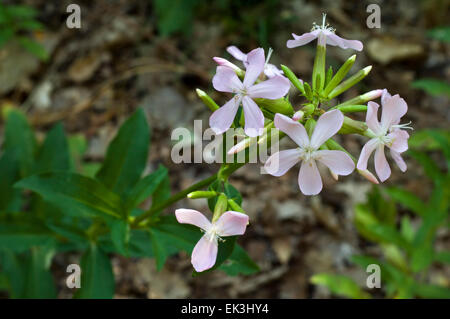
[[251, 19], [433, 86], [16, 21], [75, 206], [406, 241]]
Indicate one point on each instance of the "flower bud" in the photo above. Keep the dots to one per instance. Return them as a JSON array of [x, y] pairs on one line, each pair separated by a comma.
[[351, 81], [207, 100], [202, 194], [340, 74], [362, 99], [368, 175], [294, 80], [298, 116]]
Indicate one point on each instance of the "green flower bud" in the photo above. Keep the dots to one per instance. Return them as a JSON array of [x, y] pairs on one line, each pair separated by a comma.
[[294, 80], [351, 81], [352, 127], [202, 194], [220, 208], [340, 75], [207, 100]]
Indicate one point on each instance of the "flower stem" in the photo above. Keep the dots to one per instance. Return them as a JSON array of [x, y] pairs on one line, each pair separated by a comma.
[[175, 198]]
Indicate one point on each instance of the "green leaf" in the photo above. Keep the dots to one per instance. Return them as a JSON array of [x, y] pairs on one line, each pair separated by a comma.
[[440, 33], [20, 140], [442, 257], [340, 285], [34, 48], [174, 16], [432, 87], [127, 155], [430, 167], [407, 199], [53, 154], [97, 278], [75, 194], [145, 187], [39, 281], [422, 256], [182, 236], [431, 291], [159, 248], [239, 263], [10, 198], [120, 235], [162, 192], [21, 237], [77, 147], [14, 266]]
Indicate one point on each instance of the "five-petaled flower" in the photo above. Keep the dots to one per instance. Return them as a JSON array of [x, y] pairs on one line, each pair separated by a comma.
[[226, 80], [230, 223], [388, 133], [326, 36], [308, 152]]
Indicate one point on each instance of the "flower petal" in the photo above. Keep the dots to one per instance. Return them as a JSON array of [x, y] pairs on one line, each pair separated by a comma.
[[337, 161], [366, 151], [303, 39], [372, 117], [254, 117], [221, 119], [393, 109], [293, 129], [192, 217], [398, 160], [381, 165], [399, 140], [273, 88], [333, 39], [226, 63], [327, 125], [309, 178], [226, 80], [204, 254], [280, 162], [231, 224], [255, 66], [236, 53], [271, 70]]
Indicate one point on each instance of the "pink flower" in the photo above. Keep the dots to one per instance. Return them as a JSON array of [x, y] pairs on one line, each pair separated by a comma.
[[226, 80], [270, 70], [326, 36], [388, 133], [205, 252], [308, 152]]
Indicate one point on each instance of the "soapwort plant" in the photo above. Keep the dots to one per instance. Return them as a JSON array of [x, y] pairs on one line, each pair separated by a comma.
[[51, 201]]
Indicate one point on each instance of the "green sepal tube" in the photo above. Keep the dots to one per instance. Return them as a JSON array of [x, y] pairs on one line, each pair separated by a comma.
[[207, 100], [202, 194], [352, 108], [309, 126], [328, 76], [340, 75], [333, 145], [294, 80], [351, 81], [221, 207], [276, 106], [318, 75], [235, 207], [352, 127]]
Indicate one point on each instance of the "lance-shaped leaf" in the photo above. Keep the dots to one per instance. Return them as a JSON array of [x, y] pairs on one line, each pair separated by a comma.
[[20, 140], [74, 194], [127, 155], [145, 187], [97, 278], [54, 152]]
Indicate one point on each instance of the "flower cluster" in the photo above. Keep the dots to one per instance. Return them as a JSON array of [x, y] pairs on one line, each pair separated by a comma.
[[262, 91]]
